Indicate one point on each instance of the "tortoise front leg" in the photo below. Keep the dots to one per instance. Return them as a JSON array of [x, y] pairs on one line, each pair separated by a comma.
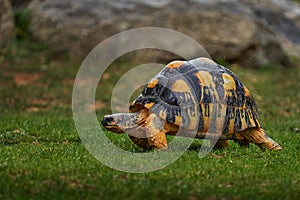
[[155, 132], [141, 142]]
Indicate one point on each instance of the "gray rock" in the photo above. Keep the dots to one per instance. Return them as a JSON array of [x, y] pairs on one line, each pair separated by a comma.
[[284, 19], [6, 23], [242, 32]]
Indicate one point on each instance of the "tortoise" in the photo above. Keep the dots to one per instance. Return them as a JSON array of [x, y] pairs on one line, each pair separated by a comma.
[[201, 98]]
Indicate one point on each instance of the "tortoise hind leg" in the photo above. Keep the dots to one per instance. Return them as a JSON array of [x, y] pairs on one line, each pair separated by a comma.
[[259, 137], [241, 140], [219, 144], [243, 143]]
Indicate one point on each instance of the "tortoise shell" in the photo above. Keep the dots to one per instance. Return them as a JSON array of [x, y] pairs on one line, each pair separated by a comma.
[[199, 95]]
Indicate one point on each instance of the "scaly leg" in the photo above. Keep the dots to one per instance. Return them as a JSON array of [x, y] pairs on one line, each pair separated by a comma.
[[241, 140], [220, 144], [156, 134], [259, 137], [243, 143], [141, 142]]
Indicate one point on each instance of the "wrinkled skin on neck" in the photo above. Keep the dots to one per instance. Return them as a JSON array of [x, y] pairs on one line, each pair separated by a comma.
[[125, 122]]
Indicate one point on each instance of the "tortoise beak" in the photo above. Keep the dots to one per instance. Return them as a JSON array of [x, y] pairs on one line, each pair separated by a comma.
[[107, 121]]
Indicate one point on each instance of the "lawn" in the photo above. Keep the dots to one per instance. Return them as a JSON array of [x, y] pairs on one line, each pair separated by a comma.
[[42, 156]]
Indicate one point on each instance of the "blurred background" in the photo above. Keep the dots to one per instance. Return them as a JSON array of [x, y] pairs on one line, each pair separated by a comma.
[[44, 42], [248, 32]]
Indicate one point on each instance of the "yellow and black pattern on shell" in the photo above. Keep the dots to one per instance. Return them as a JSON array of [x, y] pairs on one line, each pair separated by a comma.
[[199, 94]]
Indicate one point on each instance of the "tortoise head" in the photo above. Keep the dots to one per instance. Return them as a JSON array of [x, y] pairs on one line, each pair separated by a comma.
[[123, 122]]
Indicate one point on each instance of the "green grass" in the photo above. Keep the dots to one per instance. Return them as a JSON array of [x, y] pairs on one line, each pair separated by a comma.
[[42, 156]]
